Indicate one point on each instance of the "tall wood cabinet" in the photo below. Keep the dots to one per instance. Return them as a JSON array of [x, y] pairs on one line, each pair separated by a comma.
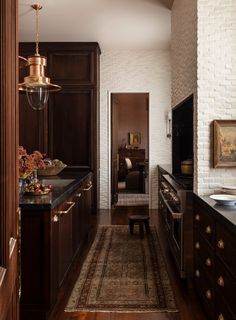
[[67, 129]]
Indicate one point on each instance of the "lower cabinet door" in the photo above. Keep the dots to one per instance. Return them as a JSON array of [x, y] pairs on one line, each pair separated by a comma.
[[65, 213], [77, 224], [87, 208]]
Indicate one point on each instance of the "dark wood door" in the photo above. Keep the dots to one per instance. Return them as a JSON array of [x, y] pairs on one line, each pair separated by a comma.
[[65, 213], [89, 216], [8, 162], [114, 150], [70, 127], [77, 221]]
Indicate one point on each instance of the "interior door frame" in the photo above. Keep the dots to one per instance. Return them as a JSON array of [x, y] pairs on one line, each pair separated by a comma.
[[110, 141], [9, 137]]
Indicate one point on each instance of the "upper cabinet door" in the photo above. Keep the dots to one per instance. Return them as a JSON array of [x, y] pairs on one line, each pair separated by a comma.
[[70, 123], [72, 67], [33, 126]]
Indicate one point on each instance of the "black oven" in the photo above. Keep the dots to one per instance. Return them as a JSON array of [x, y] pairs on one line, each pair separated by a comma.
[[175, 206]]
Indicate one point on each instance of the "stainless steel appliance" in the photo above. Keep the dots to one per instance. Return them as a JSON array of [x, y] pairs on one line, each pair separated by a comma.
[[175, 206]]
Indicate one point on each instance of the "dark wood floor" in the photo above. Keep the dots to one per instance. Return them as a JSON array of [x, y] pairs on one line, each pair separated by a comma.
[[189, 308]]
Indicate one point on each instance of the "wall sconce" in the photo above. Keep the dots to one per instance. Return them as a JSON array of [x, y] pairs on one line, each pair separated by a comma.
[[36, 84], [168, 124]]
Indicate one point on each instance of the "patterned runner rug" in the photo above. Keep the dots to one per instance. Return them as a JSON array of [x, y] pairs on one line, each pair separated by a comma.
[[132, 199], [123, 273]]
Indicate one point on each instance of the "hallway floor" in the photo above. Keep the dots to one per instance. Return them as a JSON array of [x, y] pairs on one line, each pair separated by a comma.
[[186, 299]]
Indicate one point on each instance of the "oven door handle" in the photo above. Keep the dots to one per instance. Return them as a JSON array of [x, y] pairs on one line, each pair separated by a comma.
[[175, 215]]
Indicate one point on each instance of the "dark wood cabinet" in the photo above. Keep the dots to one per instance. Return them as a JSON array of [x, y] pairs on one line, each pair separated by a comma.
[[214, 262], [70, 123], [51, 239], [67, 128]]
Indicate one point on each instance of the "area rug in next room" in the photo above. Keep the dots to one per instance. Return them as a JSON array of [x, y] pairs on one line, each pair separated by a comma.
[[123, 273], [132, 199]]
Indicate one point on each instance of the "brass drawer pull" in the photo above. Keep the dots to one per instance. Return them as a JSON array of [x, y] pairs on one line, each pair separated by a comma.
[[220, 244], [208, 262], [208, 294], [220, 281], [197, 245], [197, 273], [197, 217], [208, 230], [78, 195], [55, 218], [87, 189], [62, 212], [221, 317]]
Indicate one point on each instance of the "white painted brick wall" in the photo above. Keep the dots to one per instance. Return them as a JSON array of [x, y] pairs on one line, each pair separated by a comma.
[[136, 71], [184, 58], [216, 85], [183, 49]]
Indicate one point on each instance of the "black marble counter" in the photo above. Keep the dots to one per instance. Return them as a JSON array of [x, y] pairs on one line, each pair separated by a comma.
[[58, 193], [225, 214]]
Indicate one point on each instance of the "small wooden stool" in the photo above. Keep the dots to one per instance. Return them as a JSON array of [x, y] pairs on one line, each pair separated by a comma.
[[141, 220]]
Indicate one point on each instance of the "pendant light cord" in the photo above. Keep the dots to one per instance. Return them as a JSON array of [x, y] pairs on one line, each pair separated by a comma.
[[36, 7], [37, 32]]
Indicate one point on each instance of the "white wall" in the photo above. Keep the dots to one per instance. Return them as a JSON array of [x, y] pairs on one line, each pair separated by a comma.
[[184, 60], [203, 59], [216, 85], [136, 71]]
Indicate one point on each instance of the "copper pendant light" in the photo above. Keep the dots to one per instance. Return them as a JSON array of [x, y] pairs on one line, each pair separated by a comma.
[[36, 84]]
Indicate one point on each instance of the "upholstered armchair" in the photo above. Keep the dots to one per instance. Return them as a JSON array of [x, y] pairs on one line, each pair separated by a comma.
[[134, 178]]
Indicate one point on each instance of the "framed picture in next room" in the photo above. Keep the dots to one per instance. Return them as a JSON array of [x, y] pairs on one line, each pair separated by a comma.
[[134, 138], [224, 147]]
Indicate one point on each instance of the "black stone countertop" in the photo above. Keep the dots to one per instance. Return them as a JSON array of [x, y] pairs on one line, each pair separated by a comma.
[[224, 214], [58, 193]]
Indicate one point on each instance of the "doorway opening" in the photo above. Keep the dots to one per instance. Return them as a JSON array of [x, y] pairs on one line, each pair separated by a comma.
[[130, 149]]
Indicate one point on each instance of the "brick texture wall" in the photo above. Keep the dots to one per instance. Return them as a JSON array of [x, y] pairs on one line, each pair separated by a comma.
[[184, 58], [203, 62], [136, 71], [216, 85], [183, 50]]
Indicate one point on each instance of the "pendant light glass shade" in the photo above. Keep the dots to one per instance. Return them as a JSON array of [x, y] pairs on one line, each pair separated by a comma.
[[37, 97], [36, 84]]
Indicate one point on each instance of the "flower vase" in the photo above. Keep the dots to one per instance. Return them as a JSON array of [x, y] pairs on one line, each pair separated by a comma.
[[22, 185]]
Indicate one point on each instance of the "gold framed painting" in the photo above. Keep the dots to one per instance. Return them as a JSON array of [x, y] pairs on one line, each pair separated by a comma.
[[224, 148], [134, 138]]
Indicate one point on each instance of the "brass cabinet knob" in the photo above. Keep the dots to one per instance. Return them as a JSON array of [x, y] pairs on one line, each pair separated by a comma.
[[220, 244], [197, 245], [197, 217], [78, 195], [208, 294], [55, 218], [197, 273], [208, 230], [221, 317], [208, 262], [220, 281]]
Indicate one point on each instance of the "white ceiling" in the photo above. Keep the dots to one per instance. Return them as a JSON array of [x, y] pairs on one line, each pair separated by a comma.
[[114, 24]]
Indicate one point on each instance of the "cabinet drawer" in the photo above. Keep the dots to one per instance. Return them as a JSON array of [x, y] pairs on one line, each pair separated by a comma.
[[222, 311], [204, 223], [204, 253], [225, 247], [205, 287], [226, 285]]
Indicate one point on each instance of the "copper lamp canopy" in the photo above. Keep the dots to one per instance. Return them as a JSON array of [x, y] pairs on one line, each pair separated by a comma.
[[36, 77]]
